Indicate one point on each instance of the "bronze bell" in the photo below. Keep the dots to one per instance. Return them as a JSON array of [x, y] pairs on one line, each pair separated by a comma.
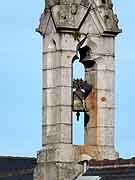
[[78, 96], [81, 90]]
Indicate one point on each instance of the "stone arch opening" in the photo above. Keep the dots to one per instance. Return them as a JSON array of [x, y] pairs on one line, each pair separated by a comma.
[[84, 95], [78, 75]]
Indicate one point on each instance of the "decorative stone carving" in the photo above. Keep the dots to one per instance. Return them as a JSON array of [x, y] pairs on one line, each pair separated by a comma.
[[51, 3], [43, 22], [68, 16], [110, 19], [85, 3], [74, 8], [71, 15]]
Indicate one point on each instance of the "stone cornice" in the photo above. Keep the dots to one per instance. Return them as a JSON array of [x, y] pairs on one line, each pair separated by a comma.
[[70, 16]]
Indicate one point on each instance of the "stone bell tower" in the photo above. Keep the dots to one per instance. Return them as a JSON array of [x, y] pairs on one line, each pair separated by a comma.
[[72, 29]]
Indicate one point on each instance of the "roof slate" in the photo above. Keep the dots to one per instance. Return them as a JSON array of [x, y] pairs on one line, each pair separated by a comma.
[[16, 168], [119, 169]]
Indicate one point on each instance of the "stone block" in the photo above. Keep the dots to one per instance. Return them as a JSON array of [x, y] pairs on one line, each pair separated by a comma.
[[52, 134], [65, 133], [105, 80], [43, 136], [61, 171], [105, 99], [61, 153], [90, 136], [91, 76], [106, 152], [64, 114], [92, 119], [58, 114], [58, 42], [58, 133], [49, 97], [109, 62], [64, 96], [104, 45], [63, 77], [49, 78], [49, 115], [105, 117], [51, 172], [69, 171], [105, 63], [105, 136], [65, 58], [50, 60], [68, 43], [51, 43]]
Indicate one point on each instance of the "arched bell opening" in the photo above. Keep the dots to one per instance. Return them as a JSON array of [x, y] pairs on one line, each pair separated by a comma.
[[78, 76], [83, 94], [80, 90]]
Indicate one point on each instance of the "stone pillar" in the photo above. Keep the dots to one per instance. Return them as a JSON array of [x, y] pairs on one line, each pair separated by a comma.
[[57, 84], [58, 156], [101, 103]]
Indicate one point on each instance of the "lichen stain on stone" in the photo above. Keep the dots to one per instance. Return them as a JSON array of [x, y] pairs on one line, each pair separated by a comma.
[[76, 35], [92, 100], [91, 104]]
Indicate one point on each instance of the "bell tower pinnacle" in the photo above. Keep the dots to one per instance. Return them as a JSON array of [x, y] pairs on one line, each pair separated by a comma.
[[84, 30]]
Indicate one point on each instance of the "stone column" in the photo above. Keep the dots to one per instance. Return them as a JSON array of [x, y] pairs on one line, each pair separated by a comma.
[[101, 103], [58, 158], [57, 100]]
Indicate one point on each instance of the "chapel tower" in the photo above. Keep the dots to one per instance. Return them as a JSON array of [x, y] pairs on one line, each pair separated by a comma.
[[84, 30]]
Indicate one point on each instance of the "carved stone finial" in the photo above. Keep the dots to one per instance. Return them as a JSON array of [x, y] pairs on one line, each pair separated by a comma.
[[50, 3], [43, 22], [85, 3], [110, 19]]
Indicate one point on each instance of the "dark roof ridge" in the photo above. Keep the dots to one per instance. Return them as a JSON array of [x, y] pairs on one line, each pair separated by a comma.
[[107, 162], [16, 157]]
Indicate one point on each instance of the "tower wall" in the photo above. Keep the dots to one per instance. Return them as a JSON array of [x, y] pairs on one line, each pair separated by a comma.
[[101, 102], [63, 25]]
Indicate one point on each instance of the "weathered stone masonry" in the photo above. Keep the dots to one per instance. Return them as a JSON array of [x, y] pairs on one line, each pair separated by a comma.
[[63, 25]]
